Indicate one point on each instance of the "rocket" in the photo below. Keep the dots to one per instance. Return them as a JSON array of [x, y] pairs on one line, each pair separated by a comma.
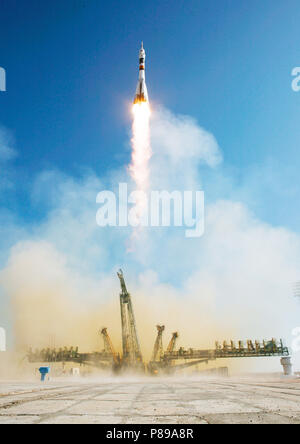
[[141, 94]]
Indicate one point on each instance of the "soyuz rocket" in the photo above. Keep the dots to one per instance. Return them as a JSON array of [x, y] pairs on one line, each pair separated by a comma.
[[141, 94]]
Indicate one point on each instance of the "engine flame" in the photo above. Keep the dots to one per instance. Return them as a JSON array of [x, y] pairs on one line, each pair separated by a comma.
[[139, 167], [141, 148]]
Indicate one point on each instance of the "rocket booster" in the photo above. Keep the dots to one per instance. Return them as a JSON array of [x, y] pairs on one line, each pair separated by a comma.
[[141, 94]]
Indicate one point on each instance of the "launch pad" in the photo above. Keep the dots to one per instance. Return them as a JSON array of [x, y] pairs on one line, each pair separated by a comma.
[[260, 400], [167, 361], [194, 400]]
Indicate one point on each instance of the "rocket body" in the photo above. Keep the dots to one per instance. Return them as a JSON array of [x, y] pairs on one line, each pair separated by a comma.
[[141, 94]]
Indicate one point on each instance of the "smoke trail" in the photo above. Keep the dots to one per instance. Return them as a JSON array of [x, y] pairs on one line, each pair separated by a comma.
[[141, 153]]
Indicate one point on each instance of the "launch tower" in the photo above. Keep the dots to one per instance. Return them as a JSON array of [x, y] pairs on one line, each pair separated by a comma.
[[132, 355]]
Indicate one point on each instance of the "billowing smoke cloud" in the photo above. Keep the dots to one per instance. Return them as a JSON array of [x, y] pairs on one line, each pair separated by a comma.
[[51, 303], [180, 147], [233, 283]]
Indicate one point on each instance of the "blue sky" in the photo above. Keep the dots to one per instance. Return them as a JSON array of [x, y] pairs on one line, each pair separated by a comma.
[[72, 68], [71, 75]]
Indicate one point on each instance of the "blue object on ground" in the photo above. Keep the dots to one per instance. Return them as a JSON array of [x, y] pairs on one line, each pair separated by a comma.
[[44, 371]]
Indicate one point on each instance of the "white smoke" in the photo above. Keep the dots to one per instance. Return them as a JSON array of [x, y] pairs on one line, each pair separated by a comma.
[[180, 146], [233, 283]]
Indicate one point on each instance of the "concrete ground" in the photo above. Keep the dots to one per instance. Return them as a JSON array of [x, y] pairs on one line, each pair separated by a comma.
[[151, 401]]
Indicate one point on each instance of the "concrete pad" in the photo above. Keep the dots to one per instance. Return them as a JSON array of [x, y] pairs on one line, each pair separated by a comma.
[[17, 419], [72, 397], [116, 397], [276, 404], [165, 420], [249, 418], [83, 419], [93, 407], [37, 407], [158, 397], [220, 406], [163, 401], [198, 396], [160, 408]]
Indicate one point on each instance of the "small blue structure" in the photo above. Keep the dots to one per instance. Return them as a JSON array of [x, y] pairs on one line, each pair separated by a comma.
[[44, 371]]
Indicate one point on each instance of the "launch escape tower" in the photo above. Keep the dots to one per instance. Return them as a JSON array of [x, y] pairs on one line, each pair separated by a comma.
[[132, 355]]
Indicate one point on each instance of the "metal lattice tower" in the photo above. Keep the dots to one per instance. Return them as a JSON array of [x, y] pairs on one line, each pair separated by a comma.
[[131, 347], [108, 345], [158, 346], [172, 343]]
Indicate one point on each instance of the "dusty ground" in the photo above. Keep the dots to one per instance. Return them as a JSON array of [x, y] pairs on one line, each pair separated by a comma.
[[155, 401]]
